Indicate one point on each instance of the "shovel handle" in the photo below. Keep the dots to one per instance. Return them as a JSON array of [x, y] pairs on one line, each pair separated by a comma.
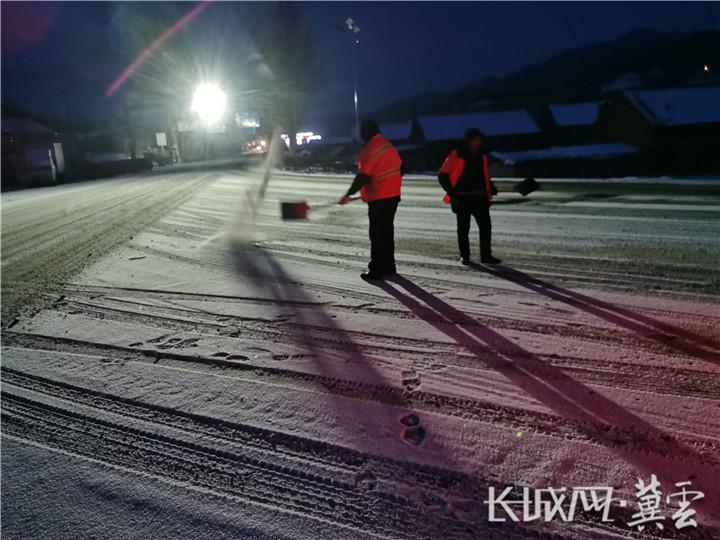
[[330, 204]]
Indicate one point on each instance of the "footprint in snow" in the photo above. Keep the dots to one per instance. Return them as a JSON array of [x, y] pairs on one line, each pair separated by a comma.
[[365, 479], [410, 379], [166, 342], [412, 432], [228, 356]]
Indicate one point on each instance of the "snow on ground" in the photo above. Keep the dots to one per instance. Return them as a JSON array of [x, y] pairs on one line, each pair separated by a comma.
[[223, 375]]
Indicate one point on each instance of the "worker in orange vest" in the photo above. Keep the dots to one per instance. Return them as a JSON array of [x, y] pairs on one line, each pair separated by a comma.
[[378, 179], [465, 177]]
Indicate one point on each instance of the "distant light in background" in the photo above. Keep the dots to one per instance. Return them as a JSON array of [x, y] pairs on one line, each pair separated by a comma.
[[209, 102], [257, 146], [706, 68], [247, 120], [302, 137], [306, 137]]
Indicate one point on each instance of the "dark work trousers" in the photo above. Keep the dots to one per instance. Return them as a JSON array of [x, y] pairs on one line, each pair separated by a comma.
[[479, 208], [382, 235]]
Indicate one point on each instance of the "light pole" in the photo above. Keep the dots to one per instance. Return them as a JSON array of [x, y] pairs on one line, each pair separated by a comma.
[[354, 31]]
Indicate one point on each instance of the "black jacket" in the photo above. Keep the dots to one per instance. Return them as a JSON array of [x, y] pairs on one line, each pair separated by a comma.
[[472, 180]]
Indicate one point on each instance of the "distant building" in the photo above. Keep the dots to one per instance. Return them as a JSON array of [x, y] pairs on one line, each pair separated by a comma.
[[505, 131], [32, 152], [408, 140], [677, 130], [580, 161], [573, 123], [397, 133], [633, 132]]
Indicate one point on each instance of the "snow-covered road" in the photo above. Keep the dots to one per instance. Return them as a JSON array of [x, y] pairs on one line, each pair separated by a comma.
[[175, 366]]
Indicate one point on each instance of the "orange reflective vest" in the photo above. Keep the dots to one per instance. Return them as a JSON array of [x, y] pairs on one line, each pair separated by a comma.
[[380, 160], [453, 166]]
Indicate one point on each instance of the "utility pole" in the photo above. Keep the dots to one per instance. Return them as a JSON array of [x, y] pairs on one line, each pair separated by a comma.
[[355, 30]]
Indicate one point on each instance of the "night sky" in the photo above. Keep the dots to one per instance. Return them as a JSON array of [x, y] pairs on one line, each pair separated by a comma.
[[61, 57]]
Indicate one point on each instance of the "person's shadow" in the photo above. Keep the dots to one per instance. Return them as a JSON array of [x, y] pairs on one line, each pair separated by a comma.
[[343, 369], [647, 448], [672, 337]]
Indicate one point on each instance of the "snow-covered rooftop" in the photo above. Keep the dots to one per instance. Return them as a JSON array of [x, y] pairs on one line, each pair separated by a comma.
[[575, 114], [588, 151], [453, 126], [396, 132], [679, 106]]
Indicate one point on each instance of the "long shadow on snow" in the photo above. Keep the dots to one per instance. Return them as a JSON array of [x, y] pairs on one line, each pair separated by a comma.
[[670, 336], [649, 449], [341, 363]]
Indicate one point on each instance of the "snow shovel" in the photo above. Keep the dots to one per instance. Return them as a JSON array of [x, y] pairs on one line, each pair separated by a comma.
[[300, 209], [527, 186], [524, 188]]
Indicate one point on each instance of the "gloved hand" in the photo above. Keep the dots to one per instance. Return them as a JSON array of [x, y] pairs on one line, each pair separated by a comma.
[[344, 200]]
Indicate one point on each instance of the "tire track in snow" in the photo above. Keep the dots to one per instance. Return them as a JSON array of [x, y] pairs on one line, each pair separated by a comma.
[[354, 489], [314, 478], [304, 450], [514, 418], [270, 482], [557, 323], [46, 259], [423, 353]]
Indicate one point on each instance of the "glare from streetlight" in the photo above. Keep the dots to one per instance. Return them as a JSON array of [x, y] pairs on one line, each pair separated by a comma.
[[209, 103]]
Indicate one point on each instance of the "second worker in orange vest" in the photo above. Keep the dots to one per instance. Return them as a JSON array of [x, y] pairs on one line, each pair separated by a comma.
[[465, 177], [378, 180]]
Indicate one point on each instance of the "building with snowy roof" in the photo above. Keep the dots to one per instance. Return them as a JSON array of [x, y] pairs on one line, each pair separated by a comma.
[[574, 114], [678, 106], [584, 151], [408, 140], [573, 123], [400, 133], [494, 124], [676, 129], [505, 131], [581, 161]]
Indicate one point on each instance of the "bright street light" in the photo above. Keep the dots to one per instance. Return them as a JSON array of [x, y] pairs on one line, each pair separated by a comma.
[[209, 103]]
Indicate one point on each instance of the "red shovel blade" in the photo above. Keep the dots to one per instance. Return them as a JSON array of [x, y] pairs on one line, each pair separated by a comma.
[[294, 210]]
